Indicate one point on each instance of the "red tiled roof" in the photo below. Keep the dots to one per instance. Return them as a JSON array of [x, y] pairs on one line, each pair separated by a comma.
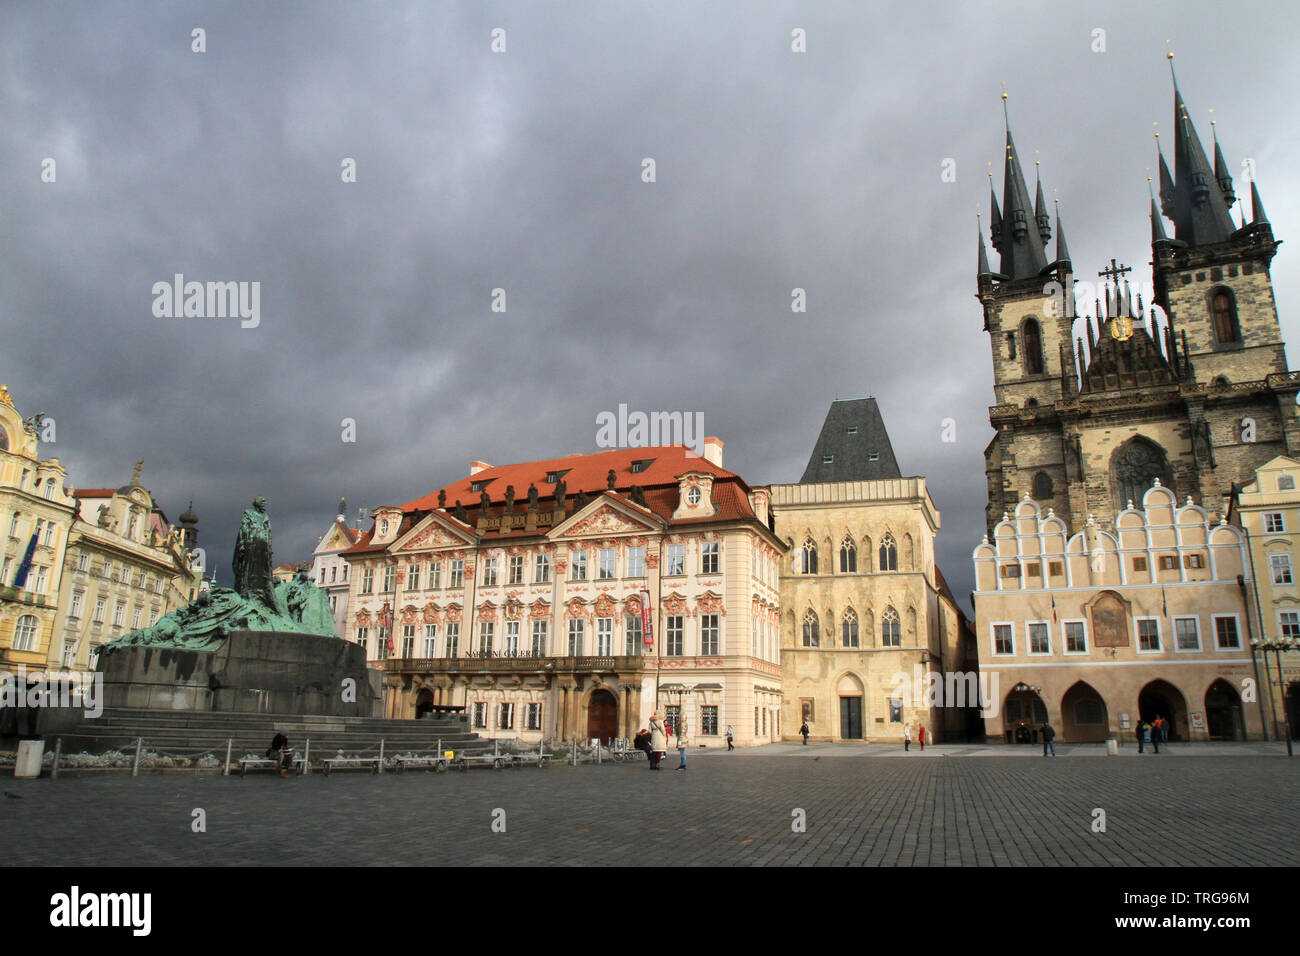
[[583, 473]]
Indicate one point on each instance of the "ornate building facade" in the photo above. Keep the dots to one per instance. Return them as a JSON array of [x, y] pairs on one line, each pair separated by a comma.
[[862, 599], [1099, 597], [330, 570], [1267, 508], [36, 513], [1093, 630], [573, 598], [125, 567]]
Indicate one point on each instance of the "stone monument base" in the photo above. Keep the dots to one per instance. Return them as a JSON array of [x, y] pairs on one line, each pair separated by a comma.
[[264, 672]]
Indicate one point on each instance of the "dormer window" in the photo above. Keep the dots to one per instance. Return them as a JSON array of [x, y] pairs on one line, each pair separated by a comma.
[[551, 477], [1285, 483], [851, 430], [478, 486], [828, 459], [639, 465], [873, 456]]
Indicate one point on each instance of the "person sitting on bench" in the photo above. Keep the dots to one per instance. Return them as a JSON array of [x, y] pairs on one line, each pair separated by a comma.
[[280, 748]]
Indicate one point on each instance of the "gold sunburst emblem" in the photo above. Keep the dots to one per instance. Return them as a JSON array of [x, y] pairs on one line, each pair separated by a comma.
[[1121, 328]]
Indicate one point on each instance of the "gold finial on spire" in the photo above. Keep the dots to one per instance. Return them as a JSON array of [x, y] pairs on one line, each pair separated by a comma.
[[4, 396]]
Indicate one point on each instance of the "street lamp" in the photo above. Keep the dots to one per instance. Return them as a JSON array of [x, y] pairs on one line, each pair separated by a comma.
[[1277, 647]]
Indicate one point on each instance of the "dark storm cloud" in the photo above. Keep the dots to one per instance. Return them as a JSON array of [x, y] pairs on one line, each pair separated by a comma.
[[522, 171]]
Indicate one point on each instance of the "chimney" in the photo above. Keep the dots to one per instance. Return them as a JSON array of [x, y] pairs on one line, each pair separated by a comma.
[[713, 450], [476, 466]]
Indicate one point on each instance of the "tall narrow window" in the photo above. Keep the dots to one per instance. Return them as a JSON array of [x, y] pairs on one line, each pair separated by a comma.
[[890, 635], [811, 629], [1223, 313], [888, 554], [849, 628], [848, 557], [808, 564], [1033, 348]]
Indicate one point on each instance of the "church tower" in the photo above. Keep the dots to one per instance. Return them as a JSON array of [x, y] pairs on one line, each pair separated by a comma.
[[1086, 420], [1029, 317]]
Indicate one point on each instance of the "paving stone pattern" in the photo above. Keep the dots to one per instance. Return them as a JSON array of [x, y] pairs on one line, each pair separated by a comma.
[[932, 809]]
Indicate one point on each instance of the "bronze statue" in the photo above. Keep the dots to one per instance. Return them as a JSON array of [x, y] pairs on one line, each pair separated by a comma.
[[252, 561]]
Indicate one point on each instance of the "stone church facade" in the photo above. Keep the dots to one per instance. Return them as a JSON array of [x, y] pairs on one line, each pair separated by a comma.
[[1120, 438]]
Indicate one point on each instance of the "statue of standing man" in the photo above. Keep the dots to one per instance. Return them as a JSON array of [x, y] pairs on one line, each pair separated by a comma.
[[252, 561]]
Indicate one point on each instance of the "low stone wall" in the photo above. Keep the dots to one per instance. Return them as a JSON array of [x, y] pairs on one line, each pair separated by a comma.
[[252, 672]]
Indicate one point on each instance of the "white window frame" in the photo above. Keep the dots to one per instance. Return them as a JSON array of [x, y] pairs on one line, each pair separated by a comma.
[[1281, 630], [537, 648], [511, 648], [578, 561], [993, 638], [1195, 619], [577, 637], [515, 570], [456, 575], [717, 635], [636, 562], [1065, 637], [1029, 639], [1137, 635], [604, 637], [489, 577], [1268, 518], [710, 550], [1236, 625], [542, 569], [430, 640], [1274, 568], [607, 564], [676, 559], [434, 581]]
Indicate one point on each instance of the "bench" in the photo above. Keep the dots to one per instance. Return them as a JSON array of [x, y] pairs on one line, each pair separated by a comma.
[[333, 763], [435, 763], [266, 763]]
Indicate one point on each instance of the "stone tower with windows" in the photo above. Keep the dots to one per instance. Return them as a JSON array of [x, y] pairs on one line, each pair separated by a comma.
[[1195, 392]]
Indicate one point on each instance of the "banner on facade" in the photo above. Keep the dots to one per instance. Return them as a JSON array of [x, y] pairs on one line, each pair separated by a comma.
[[647, 631], [25, 566]]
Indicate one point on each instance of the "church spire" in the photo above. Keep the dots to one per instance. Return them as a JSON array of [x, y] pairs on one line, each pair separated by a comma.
[[1022, 246], [1256, 206], [1040, 209], [1200, 212], [984, 269], [1221, 170], [995, 217], [1062, 252]]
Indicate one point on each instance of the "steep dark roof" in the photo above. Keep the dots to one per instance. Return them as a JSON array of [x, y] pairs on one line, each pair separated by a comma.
[[850, 454]]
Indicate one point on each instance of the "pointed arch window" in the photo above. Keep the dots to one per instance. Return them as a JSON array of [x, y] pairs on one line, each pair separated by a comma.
[[888, 554], [811, 629], [808, 557], [848, 556], [849, 628], [1223, 316], [1033, 347], [890, 632]]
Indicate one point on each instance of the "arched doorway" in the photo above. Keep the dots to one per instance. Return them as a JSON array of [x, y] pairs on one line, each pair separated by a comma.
[[849, 690], [602, 716], [1083, 715], [1223, 718], [423, 703], [1162, 699], [1023, 712]]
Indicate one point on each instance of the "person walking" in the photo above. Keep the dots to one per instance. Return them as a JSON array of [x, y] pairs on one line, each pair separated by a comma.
[[658, 741], [1143, 734], [1049, 738], [731, 737], [907, 737], [681, 751], [920, 737], [1155, 739], [804, 730]]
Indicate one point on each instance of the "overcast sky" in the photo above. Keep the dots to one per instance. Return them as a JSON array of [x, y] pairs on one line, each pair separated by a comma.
[[522, 170]]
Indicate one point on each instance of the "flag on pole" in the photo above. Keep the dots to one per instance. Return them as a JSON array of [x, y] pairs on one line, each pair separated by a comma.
[[1164, 603], [1053, 608], [25, 566]]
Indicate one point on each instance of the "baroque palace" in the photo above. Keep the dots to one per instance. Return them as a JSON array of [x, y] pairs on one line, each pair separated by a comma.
[[1110, 587], [82, 567], [578, 596]]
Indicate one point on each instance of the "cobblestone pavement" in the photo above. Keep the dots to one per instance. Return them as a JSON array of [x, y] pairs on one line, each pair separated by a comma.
[[726, 809]]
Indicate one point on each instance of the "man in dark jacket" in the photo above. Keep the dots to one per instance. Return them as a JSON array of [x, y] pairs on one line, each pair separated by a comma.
[[1049, 736], [280, 750], [642, 742]]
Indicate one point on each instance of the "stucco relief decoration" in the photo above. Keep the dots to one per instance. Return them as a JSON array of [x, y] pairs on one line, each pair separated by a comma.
[[410, 614], [674, 604], [363, 618], [539, 610], [431, 615], [632, 605], [652, 561], [710, 603], [605, 606], [575, 608], [486, 611], [604, 521], [430, 537], [514, 610], [516, 549], [453, 613]]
